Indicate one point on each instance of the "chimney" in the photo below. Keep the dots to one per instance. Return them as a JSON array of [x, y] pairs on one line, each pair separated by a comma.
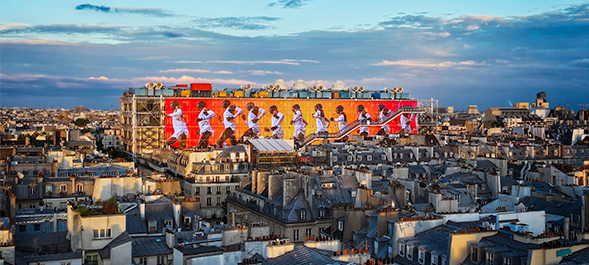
[[290, 189], [585, 212], [362, 197], [261, 186], [566, 228], [54, 222], [254, 181], [274, 185], [170, 238], [549, 196]]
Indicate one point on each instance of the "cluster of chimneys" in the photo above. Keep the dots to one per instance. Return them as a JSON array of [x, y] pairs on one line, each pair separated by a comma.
[[473, 230], [264, 238], [352, 252], [424, 218], [318, 238]]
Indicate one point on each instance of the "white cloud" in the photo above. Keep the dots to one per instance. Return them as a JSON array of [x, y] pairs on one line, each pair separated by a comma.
[[98, 78], [201, 71], [427, 65]]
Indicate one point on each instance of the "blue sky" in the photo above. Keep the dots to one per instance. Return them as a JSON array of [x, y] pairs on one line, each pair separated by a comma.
[[488, 53]]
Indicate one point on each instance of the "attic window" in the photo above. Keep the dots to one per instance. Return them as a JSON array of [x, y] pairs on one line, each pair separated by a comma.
[[302, 214], [152, 226], [349, 158], [340, 225], [369, 158], [383, 157], [359, 158]]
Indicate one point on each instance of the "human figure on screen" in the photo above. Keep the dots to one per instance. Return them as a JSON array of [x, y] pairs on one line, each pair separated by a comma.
[[363, 117], [204, 123], [406, 122], [254, 115], [231, 112], [320, 120], [180, 129], [299, 123], [383, 114], [342, 121], [277, 117]]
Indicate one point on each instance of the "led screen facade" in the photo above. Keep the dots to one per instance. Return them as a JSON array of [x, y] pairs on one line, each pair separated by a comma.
[[190, 114]]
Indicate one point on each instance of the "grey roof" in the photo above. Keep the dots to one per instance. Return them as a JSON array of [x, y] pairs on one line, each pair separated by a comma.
[[190, 250], [553, 207], [508, 181], [134, 222], [150, 246], [486, 164], [270, 145], [49, 257], [302, 255], [119, 240], [578, 257]]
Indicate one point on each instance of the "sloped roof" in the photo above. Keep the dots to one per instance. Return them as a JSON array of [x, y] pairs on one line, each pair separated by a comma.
[[119, 240], [271, 145], [150, 246], [302, 255]]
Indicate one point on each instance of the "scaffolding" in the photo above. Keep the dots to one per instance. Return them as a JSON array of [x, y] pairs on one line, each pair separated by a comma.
[[429, 120], [143, 122]]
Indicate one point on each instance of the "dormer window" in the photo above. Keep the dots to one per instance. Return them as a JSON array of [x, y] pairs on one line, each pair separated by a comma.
[[152, 226], [349, 158], [302, 215], [369, 158], [340, 225], [383, 157], [359, 158], [168, 223], [321, 213], [401, 249]]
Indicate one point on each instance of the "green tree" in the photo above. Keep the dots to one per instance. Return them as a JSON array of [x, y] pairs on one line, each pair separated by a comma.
[[81, 122]]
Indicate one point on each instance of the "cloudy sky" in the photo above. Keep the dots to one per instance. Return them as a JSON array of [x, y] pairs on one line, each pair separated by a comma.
[[488, 53]]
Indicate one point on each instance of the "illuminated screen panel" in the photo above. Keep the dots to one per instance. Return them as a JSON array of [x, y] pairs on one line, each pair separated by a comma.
[[190, 114]]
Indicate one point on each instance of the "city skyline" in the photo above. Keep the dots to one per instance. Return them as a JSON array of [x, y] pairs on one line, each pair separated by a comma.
[[69, 53]]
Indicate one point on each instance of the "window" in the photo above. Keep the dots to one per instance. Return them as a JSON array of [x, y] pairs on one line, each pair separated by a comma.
[[435, 260], [152, 226], [219, 190], [143, 261], [421, 256], [48, 188], [102, 233], [65, 263], [228, 189], [321, 213], [32, 190], [308, 232], [302, 214], [92, 260], [490, 258], [218, 200], [349, 158], [340, 225], [507, 261], [161, 259], [359, 158], [22, 228], [209, 201], [209, 190], [474, 254], [80, 188], [409, 255], [383, 157], [197, 191], [37, 227], [369, 158], [296, 235], [401, 250], [168, 223], [62, 188]]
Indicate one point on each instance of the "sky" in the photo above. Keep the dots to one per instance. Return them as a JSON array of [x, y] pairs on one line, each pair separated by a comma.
[[485, 53]]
